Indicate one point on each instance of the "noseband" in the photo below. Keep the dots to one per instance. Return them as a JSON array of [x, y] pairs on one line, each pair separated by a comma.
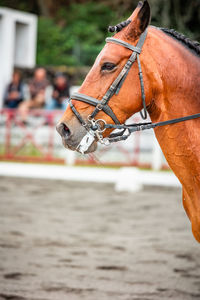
[[94, 127]]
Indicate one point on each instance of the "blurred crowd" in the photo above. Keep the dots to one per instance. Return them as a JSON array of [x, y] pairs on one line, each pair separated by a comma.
[[38, 92]]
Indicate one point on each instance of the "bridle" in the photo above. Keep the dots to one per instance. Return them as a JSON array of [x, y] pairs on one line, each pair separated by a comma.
[[95, 128]]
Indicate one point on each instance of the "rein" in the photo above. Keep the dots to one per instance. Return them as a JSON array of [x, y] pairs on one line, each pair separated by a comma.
[[119, 136], [94, 127]]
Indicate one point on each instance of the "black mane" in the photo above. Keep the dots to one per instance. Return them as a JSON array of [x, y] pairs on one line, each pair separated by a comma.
[[194, 46], [119, 27]]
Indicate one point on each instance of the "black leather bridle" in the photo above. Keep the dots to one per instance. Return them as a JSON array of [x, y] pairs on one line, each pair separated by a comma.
[[94, 127]]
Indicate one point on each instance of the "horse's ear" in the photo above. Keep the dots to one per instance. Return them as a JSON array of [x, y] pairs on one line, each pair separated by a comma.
[[140, 19], [144, 16]]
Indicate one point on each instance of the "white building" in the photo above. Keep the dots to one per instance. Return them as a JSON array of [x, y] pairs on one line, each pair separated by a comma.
[[18, 33]]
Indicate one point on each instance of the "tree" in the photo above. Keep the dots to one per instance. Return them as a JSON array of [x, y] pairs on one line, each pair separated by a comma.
[[73, 32]]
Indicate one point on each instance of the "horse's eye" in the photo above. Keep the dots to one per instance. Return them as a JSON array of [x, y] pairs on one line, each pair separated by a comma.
[[107, 66]]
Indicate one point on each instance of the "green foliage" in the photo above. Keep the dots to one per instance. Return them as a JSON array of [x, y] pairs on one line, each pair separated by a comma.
[[52, 48], [72, 32], [79, 40]]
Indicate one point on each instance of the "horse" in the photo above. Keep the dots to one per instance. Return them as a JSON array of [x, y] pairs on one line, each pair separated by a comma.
[[167, 87]]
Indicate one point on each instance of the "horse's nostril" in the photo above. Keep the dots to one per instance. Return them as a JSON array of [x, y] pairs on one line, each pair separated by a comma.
[[66, 130], [63, 130]]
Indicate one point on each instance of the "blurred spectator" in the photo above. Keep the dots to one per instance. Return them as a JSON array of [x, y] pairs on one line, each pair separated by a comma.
[[60, 93], [39, 92], [38, 86], [14, 94]]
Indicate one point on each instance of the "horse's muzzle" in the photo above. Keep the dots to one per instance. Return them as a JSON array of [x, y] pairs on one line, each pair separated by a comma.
[[71, 140]]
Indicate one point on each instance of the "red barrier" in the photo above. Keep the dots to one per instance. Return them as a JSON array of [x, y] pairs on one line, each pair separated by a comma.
[[38, 141], [11, 123]]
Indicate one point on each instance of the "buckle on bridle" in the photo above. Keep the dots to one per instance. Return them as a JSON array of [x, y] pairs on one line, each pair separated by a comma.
[[99, 106]]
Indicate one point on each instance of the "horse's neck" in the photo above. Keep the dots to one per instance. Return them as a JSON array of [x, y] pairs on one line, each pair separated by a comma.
[[177, 88], [179, 95], [176, 93]]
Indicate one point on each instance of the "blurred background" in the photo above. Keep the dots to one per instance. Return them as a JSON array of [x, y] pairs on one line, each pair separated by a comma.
[[71, 235], [71, 33], [47, 48]]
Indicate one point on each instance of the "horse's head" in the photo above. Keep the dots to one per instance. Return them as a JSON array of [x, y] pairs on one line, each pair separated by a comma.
[[126, 98]]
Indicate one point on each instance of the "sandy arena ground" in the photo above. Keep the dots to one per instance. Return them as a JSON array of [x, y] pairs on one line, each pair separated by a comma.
[[62, 240]]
